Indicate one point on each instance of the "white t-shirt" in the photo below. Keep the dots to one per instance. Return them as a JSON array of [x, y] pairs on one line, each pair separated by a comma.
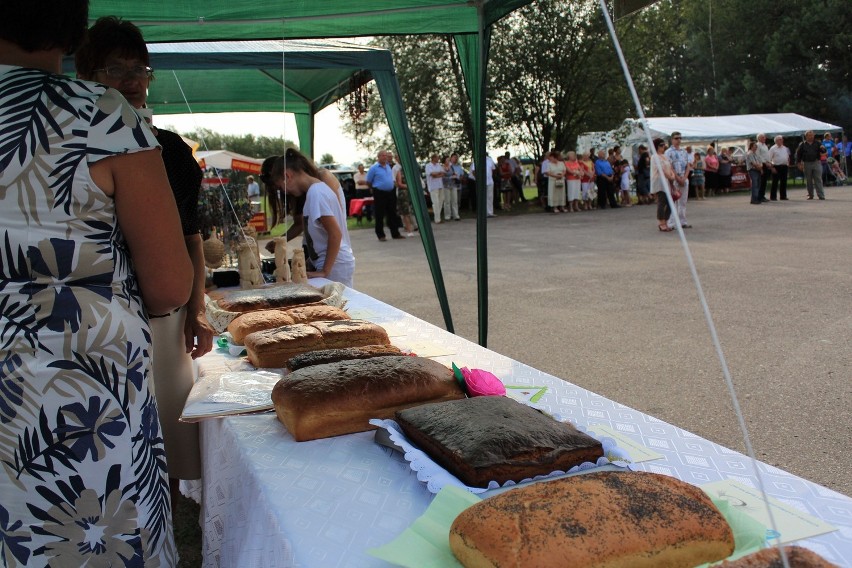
[[321, 201], [625, 177], [253, 189], [779, 155], [489, 168], [433, 183]]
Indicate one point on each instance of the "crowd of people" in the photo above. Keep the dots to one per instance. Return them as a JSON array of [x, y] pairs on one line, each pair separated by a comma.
[[601, 178]]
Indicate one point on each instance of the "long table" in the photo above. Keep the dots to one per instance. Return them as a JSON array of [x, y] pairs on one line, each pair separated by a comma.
[[268, 501]]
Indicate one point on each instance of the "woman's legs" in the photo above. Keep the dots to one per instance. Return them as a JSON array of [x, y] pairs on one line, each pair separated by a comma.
[[663, 211]]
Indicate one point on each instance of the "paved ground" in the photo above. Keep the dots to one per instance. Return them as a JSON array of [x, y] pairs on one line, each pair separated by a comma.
[[604, 300]]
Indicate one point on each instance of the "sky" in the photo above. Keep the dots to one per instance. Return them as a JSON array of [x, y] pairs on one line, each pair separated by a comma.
[[328, 136]]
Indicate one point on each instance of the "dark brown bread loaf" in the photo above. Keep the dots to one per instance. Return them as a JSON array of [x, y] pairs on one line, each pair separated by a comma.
[[277, 296], [339, 398], [625, 519], [797, 557], [275, 347], [334, 355], [249, 322], [494, 438]]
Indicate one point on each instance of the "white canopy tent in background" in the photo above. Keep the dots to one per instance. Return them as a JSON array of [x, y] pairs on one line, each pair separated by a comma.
[[732, 130], [226, 160]]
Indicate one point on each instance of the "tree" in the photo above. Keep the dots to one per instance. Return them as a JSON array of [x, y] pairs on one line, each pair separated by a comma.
[[726, 57], [431, 80], [327, 159], [553, 74], [248, 144]]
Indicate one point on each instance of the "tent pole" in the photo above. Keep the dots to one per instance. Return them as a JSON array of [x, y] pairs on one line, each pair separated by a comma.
[[392, 103], [481, 183]]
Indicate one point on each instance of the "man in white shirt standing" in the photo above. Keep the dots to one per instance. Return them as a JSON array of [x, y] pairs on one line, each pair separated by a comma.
[[489, 183], [681, 165], [763, 155], [435, 185], [779, 157], [253, 191]]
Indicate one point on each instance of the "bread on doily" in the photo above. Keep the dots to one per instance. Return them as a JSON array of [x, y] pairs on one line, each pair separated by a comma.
[[612, 519]]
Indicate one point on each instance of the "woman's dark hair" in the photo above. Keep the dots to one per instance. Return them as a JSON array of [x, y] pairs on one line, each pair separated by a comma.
[[47, 24], [273, 196], [295, 161], [273, 167], [658, 142], [109, 35]]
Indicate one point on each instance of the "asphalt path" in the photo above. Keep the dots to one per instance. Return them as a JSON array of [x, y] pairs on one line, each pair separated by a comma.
[[604, 300]]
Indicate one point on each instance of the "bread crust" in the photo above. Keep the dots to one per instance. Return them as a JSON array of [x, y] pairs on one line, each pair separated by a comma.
[[275, 347], [611, 519], [277, 296], [797, 557], [249, 322], [327, 400], [324, 356], [494, 438]]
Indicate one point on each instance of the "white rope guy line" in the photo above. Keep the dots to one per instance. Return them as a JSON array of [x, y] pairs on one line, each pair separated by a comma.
[[218, 174], [284, 135], [704, 306]]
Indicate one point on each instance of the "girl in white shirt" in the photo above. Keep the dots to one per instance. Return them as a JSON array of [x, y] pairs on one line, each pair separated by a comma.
[[626, 201], [326, 239]]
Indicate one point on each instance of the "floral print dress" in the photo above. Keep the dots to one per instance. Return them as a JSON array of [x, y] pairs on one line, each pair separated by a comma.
[[83, 479]]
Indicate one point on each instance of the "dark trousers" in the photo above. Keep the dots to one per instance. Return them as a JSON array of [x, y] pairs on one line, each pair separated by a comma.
[[754, 177], [518, 185], [663, 209], [606, 192], [385, 205], [779, 178], [764, 179]]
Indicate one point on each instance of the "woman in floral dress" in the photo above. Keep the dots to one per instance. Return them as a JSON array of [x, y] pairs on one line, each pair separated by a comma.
[[82, 191]]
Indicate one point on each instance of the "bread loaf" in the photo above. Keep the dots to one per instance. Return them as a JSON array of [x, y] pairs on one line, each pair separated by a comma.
[[324, 356], [249, 322], [797, 557], [494, 438], [611, 519], [275, 347], [339, 398], [278, 296]]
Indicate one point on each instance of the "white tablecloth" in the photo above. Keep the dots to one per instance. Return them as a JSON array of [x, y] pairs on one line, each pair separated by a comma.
[[268, 501]]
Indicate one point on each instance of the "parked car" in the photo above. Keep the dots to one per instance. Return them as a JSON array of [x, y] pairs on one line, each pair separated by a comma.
[[346, 177]]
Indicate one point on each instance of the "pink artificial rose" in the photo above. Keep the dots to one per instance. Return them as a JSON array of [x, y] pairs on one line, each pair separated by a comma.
[[482, 383]]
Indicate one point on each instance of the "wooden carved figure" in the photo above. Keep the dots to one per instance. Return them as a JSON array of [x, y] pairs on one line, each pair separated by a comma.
[[282, 267], [300, 271], [248, 264]]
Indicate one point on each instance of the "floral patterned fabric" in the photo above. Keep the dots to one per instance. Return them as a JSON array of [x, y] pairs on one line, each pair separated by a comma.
[[83, 479]]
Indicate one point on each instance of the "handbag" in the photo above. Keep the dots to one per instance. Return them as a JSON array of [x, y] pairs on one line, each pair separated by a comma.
[[675, 194]]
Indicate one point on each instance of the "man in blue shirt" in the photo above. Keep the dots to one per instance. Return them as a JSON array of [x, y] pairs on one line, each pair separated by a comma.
[[604, 177], [380, 181]]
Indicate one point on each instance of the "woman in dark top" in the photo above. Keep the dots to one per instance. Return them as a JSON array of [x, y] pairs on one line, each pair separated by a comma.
[[115, 54]]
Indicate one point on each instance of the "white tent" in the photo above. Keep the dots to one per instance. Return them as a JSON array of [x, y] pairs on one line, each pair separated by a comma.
[[733, 130], [226, 160], [733, 127]]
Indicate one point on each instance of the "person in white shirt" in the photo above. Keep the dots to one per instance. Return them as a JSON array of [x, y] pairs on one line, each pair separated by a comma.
[[253, 191], [763, 156], [779, 158], [435, 185], [326, 238], [489, 183]]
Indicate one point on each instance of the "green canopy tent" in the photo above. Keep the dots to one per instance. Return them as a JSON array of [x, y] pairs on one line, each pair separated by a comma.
[[468, 20], [301, 77]]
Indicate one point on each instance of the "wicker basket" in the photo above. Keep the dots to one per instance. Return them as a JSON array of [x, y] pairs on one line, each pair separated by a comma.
[[214, 252]]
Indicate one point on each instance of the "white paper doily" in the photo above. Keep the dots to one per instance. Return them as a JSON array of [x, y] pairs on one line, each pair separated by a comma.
[[435, 477]]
